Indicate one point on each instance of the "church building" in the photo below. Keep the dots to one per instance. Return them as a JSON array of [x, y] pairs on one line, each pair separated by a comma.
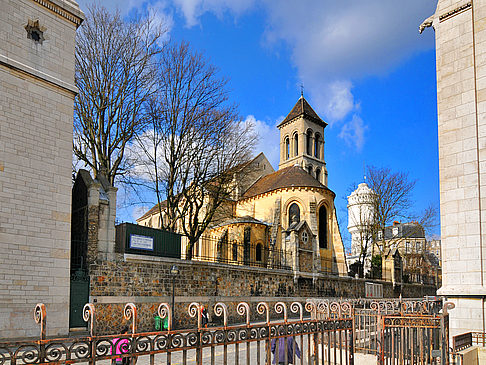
[[284, 218]]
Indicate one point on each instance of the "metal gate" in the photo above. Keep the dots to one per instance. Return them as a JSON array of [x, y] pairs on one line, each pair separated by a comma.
[[401, 331], [410, 340], [414, 338], [78, 297]]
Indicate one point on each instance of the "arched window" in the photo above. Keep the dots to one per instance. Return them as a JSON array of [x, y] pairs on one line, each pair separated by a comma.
[[235, 251], [246, 245], [294, 213], [287, 148], [309, 142], [318, 175], [309, 169], [258, 252], [296, 144], [322, 227], [317, 145]]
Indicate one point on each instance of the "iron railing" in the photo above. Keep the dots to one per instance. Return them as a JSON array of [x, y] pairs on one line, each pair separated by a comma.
[[254, 254], [324, 338]]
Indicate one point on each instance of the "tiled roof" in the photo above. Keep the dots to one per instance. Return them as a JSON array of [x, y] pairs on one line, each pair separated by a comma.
[[154, 210], [244, 219], [292, 176], [302, 107]]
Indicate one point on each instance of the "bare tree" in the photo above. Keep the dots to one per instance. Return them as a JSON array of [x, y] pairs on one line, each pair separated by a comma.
[[115, 64], [195, 143]]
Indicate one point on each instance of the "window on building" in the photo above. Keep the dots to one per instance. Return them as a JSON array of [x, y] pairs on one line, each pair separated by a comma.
[[418, 246], [395, 231], [322, 227], [287, 148], [246, 245], [380, 235], [317, 142], [318, 175], [294, 213], [235, 251], [258, 252], [309, 142], [407, 247], [305, 237], [296, 144], [309, 169]]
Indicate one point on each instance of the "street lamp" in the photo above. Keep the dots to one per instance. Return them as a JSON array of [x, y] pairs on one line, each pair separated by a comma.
[[174, 271]]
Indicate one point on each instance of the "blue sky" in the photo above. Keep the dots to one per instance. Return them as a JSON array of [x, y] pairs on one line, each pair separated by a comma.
[[364, 67]]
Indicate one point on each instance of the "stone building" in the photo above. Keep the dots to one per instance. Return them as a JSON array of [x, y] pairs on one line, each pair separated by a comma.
[[288, 213], [461, 98], [37, 90]]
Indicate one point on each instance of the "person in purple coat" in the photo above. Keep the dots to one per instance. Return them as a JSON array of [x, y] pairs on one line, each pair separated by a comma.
[[281, 350]]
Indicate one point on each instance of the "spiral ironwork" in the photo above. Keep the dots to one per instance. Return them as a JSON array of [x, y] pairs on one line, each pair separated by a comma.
[[244, 309], [280, 308], [40, 317], [220, 309], [89, 316], [130, 312], [165, 311], [296, 307], [263, 308], [195, 310]]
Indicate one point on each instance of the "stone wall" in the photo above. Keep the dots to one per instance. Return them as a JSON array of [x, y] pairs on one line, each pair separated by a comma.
[[146, 282]]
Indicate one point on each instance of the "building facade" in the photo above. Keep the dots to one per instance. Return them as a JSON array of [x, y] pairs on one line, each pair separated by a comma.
[[461, 100], [37, 39], [288, 213]]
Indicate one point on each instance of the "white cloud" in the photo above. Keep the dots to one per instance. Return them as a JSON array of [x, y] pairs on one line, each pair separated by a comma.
[[138, 211], [353, 132], [160, 10], [334, 42], [193, 9], [269, 139]]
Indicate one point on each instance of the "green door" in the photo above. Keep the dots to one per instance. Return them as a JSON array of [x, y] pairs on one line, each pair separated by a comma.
[[79, 296]]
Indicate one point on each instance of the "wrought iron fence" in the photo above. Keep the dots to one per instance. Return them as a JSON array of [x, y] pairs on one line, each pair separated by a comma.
[[325, 338], [255, 254], [400, 330]]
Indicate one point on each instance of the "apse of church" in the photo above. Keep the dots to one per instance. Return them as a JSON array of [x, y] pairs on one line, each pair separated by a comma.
[[285, 218]]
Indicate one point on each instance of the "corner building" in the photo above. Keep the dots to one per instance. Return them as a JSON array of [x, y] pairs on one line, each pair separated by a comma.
[[460, 33], [37, 39]]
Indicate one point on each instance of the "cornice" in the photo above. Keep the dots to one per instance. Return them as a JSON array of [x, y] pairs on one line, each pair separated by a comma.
[[455, 11], [74, 15]]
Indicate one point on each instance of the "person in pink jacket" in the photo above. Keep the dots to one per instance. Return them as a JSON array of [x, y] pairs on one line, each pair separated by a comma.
[[121, 347]]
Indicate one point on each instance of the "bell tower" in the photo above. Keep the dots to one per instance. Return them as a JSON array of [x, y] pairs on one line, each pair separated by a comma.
[[302, 141]]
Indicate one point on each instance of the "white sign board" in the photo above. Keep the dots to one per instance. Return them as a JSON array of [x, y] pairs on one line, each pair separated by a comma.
[[141, 242]]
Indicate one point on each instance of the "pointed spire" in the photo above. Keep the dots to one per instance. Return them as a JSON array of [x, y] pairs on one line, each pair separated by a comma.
[[302, 108]]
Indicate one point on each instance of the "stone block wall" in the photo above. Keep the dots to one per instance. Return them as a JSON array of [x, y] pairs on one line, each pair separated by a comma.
[[36, 122], [146, 282]]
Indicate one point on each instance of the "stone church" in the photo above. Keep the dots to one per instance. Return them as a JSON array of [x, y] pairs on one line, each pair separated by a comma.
[[289, 211]]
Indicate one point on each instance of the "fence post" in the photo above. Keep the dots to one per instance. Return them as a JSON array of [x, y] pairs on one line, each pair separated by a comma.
[[90, 317], [444, 332], [40, 317], [380, 328], [351, 343]]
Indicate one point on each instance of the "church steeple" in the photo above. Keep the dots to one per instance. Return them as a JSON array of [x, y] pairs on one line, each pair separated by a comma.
[[302, 140]]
